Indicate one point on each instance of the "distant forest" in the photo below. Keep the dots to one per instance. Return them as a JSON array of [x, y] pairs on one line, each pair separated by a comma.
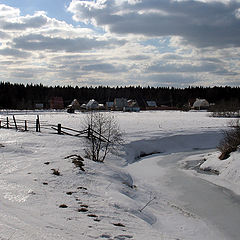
[[19, 96]]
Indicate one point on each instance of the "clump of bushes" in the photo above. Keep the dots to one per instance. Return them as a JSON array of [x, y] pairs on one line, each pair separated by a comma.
[[230, 141], [226, 109]]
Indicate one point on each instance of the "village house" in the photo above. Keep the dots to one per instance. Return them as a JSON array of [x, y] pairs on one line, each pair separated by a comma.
[[92, 105], [109, 105], [151, 105], [120, 103], [73, 106], [56, 103], [200, 104], [83, 106], [39, 106], [132, 106]]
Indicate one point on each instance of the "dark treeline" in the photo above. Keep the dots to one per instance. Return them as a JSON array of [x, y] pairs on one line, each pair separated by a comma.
[[19, 96]]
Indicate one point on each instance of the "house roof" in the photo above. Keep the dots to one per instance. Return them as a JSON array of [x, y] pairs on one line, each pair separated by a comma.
[[75, 103], [151, 104], [91, 103]]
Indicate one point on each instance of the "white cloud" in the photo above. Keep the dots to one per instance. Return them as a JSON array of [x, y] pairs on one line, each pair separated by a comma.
[[8, 12], [134, 50]]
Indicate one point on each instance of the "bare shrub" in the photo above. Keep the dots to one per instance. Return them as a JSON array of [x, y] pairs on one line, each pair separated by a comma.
[[104, 135], [55, 172], [230, 141], [226, 109]]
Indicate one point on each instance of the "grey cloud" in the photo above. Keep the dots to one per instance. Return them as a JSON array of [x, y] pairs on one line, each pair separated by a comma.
[[39, 42], [14, 53], [225, 72], [22, 74], [203, 24], [4, 35], [138, 57], [6, 62], [232, 83], [212, 59], [171, 56], [28, 22], [104, 68], [183, 68], [171, 80], [212, 67]]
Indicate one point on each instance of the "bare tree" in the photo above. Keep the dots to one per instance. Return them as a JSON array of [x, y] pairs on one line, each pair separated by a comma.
[[104, 135]]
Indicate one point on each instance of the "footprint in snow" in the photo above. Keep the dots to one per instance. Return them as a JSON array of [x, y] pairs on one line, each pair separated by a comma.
[[92, 215], [105, 236], [123, 237], [118, 225], [82, 210]]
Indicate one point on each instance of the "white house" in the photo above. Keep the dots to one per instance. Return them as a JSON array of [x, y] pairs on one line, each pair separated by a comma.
[[92, 105], [200, 104], [151, 103]]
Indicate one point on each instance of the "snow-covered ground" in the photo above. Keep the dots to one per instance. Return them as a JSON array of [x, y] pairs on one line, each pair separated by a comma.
[[128, 196]]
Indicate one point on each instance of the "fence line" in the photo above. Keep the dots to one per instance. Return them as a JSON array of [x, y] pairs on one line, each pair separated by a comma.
[[37, 125]]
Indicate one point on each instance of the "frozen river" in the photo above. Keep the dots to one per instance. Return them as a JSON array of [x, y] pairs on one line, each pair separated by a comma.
[[218, 207], [215, 204]]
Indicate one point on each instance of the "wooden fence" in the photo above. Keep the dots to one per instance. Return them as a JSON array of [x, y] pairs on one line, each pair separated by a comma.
[[20, 125], [38, 126]]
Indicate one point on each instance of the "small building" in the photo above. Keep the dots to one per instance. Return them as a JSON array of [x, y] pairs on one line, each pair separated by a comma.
[[73, 106], [101, 106], [83, 106], [92, 105], [120, 103], [151, 105], [109, 105], [56, 103], [39, 105], [201, 104], [132, 106]]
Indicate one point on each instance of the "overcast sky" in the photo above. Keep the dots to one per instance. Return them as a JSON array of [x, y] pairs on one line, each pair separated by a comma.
[[176, 43]]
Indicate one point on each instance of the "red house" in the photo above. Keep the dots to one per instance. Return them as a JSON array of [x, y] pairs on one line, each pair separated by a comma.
[[56, 103]]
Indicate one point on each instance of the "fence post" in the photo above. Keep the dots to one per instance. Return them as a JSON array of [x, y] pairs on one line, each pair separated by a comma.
[[89, 131], [7, 123], [25, 125], [39, 130], [37, 125], [15, 123], [59, 128]]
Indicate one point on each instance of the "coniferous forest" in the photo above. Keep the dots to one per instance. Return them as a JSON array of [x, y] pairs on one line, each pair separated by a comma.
[[19, 96]]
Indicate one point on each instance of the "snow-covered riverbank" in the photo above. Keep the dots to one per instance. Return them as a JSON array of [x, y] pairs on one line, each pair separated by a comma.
[[104, 202]]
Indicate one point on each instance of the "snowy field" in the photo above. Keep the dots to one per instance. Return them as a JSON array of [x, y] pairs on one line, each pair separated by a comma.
[[165, 196]]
